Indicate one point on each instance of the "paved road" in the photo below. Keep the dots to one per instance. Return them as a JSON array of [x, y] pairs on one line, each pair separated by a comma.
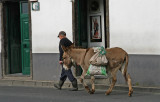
[[30, 94]]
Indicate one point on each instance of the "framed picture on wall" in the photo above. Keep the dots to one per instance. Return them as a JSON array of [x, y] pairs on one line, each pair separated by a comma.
[[95, 29]]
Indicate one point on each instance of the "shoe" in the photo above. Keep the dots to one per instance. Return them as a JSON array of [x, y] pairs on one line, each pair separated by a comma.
[[59, 85], [75, 86]]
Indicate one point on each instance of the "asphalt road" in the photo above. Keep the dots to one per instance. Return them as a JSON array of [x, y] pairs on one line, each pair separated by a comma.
[[31, 94]]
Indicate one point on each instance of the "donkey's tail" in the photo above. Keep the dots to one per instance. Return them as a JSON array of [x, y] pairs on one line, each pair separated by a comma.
[[125, 65]]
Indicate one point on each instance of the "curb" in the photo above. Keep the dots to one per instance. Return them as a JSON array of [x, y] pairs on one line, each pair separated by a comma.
[[135, 88], [50, 84], [28, 83], [125, 88]]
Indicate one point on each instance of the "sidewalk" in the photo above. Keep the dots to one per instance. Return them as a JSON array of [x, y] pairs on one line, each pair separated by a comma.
[[50, 84]]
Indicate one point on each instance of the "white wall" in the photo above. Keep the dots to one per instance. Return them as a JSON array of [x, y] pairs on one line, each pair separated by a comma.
[[54, 16], [0, 26], [135, 25]]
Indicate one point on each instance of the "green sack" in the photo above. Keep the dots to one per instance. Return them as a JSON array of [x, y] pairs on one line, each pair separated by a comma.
[[96, 70]]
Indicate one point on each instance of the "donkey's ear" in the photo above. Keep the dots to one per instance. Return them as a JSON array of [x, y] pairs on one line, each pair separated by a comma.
[[72, 46], [65, 49]]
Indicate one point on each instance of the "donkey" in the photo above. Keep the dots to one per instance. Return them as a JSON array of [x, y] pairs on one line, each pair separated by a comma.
[[117, 60]]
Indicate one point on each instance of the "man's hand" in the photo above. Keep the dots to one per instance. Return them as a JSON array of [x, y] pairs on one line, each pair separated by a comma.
[[60, 62]]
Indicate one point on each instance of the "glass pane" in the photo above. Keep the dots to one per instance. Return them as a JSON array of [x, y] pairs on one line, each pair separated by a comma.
[[25, 8]]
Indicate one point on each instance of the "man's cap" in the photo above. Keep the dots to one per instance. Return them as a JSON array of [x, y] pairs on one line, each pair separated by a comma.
[[62, 33]]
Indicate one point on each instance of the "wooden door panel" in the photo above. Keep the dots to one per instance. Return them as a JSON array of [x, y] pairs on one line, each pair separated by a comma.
[[15, 59], [25, 29], [25, 39], [26, 61]]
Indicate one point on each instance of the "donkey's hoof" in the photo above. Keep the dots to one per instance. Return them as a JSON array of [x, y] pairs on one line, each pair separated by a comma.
[[92, 91], [130, 93], [87, 89], [107, 93]]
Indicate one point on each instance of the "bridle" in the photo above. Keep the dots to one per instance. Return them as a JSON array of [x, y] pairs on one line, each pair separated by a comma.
[[73, 62]]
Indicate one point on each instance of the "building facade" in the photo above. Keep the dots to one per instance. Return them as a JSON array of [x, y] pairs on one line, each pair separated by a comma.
[[29, 29], [133, 25], [29, 43]]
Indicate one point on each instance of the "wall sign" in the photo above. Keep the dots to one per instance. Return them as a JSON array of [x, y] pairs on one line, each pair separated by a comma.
[[35, 6]]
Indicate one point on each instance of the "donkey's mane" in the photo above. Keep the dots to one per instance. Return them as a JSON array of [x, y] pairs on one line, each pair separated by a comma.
[[78, 47]]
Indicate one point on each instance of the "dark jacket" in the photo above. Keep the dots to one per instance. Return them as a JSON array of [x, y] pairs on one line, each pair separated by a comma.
[[65, 42]]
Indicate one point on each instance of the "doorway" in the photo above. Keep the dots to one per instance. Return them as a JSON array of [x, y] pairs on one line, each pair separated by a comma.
[[88, 14], [91, 24], [96, 26], [16, 38]]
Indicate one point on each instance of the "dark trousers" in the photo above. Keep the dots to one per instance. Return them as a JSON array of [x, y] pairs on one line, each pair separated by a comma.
[[65, 74]]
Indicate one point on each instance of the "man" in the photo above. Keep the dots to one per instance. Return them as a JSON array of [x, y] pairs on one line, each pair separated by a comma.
[[65, 73]]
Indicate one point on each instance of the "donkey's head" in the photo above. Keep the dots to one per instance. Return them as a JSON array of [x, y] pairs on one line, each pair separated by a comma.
[[67, 61]]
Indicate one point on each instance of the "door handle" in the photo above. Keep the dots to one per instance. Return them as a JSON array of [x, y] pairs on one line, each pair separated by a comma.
[[25, 45]]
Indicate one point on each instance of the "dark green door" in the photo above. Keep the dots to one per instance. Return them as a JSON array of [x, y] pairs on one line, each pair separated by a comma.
[[25, 39], [14, 38], [82, 29]]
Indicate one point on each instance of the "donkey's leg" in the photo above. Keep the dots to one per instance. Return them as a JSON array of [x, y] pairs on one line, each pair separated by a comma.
[[93, 86], [128, 80], [129, 84], [83, 82], [114, 80]]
